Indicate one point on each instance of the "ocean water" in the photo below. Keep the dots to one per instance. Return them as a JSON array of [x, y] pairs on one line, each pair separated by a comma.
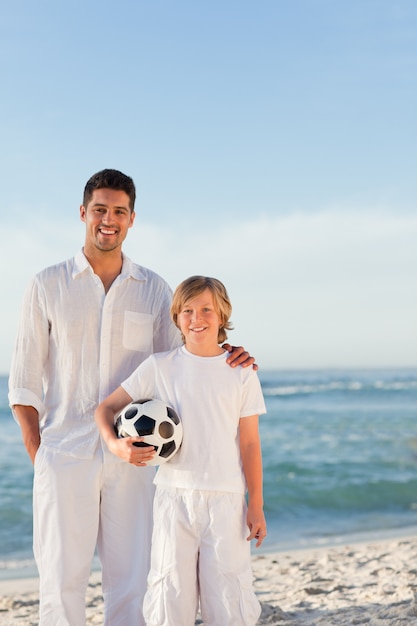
[[339, 452]]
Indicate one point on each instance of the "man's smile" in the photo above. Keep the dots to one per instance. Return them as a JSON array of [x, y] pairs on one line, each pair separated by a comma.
[[107, 231]]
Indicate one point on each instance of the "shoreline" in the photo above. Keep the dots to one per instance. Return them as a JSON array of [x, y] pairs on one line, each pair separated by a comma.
[[372, 581], [15, 571]]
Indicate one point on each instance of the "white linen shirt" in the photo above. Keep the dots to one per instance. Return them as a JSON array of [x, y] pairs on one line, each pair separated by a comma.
[[76, 344]]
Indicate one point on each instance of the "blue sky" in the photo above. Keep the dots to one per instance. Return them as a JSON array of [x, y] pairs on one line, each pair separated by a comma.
[[273, 145]]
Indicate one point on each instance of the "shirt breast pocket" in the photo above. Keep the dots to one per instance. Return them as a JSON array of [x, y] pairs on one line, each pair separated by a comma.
[[138, 332]]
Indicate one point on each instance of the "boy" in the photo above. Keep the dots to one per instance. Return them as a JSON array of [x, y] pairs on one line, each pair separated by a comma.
[[200, 544]]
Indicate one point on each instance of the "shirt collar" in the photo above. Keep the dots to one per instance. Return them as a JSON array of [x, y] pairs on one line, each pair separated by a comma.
[[80, 264], [129, 269]]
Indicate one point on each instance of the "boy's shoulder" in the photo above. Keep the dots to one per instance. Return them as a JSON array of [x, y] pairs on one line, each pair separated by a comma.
[[167, 355]]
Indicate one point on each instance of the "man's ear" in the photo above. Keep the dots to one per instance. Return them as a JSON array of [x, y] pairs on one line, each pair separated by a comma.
[[132, 219]]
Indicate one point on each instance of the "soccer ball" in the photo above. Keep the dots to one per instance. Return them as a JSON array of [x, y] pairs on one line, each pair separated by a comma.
[[154, 420]]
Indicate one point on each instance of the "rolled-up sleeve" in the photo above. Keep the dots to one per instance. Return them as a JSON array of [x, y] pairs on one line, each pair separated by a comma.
[[31, 351]]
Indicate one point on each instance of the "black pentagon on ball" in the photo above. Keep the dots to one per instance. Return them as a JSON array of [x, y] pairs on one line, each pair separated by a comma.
[[140, 402], [131, 413], [118, 428], [171, 413], [142, 444], [167, 449], [145, 425]]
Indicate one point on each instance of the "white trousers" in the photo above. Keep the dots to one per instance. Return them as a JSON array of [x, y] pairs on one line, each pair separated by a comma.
[[200, 552], [81, 503]]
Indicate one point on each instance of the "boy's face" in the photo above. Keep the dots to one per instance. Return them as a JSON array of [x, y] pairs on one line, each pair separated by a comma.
[[107, 218], [199, 323]]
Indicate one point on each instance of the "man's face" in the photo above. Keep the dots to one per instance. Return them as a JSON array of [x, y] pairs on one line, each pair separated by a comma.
[[107, 218]]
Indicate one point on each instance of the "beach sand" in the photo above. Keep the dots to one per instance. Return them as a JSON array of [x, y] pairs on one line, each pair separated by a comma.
[[361, 583]]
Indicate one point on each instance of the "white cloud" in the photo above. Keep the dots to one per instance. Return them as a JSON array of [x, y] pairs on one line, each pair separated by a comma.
[[334, 288], [328, 289]]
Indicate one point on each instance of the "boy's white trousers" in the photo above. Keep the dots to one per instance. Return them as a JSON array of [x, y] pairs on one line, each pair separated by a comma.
[[200, 552], [81, 503]]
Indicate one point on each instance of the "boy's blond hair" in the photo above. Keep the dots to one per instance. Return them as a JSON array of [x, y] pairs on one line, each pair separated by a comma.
[[192, 287]]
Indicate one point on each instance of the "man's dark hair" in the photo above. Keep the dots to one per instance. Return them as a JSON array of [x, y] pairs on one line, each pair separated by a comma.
[[110, 179]]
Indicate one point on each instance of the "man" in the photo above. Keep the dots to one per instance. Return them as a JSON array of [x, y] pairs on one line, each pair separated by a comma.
[[86, 324]]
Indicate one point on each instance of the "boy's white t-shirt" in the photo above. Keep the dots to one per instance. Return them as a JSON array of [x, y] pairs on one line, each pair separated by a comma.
[[210, 397]]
